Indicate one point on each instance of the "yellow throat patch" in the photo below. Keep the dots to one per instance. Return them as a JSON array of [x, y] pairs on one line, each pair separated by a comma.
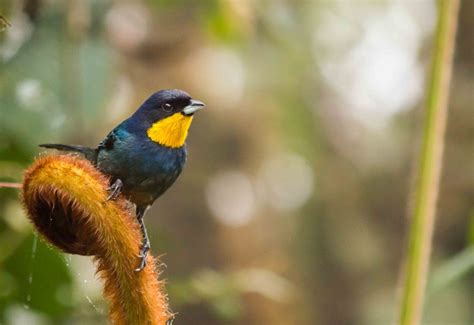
[[171, 131]]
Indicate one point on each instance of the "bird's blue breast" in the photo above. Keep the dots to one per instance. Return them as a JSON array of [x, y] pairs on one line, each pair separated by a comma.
[[146, 168]]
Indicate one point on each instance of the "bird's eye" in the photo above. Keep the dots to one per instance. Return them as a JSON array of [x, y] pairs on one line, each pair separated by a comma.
[[167, 107]]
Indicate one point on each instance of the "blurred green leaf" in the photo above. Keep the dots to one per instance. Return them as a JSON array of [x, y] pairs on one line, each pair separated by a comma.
[[452, 270], [37, 279], [222, 22]]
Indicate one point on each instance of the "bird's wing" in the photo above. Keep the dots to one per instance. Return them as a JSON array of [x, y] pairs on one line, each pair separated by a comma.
[[108, 142]]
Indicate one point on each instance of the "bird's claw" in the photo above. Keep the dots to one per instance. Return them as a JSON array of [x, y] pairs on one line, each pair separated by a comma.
[[143, 255], [115, 189], [142, 264]]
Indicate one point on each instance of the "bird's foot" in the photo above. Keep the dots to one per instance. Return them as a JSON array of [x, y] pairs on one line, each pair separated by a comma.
[[115, 189], [146, 242], [143, 255]]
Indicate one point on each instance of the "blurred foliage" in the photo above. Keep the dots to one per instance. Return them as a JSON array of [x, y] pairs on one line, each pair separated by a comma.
[[27, 283], [299, 169]]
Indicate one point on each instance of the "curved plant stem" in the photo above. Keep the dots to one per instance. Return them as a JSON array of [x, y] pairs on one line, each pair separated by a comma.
[[426, 191], [66, 199]]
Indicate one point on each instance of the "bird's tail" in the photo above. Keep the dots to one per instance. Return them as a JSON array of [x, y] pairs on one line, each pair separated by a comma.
[[89, 153]]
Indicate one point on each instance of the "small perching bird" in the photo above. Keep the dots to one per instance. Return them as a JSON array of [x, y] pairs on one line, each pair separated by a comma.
[[145, 154]]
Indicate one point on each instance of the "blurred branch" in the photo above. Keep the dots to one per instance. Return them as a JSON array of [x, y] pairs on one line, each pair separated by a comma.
[[10, 185], [4, 23], [66, 199], [426, 191]]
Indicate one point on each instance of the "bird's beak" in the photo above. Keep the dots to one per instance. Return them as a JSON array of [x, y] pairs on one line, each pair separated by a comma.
[[195, 106]]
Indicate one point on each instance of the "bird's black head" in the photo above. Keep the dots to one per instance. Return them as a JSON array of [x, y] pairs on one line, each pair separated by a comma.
[[168, 102], [166, 117]]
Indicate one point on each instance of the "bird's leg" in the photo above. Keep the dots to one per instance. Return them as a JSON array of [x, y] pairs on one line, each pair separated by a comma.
[[115, 189], [146, 242]]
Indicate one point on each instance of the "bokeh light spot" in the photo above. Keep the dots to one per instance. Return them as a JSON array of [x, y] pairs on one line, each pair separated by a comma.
[[287, 181], [231, 198]]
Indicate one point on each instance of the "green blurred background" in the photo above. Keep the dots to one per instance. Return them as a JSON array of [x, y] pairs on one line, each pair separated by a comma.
[[292, 207]]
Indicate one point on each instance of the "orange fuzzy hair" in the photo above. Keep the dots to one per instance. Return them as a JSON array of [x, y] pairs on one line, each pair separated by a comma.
[[66, 199]]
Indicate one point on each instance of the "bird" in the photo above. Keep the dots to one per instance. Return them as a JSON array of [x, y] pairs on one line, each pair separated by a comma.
[[145, 154]]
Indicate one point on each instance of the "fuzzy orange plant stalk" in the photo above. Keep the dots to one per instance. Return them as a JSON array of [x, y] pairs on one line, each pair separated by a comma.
[[66, 199]]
